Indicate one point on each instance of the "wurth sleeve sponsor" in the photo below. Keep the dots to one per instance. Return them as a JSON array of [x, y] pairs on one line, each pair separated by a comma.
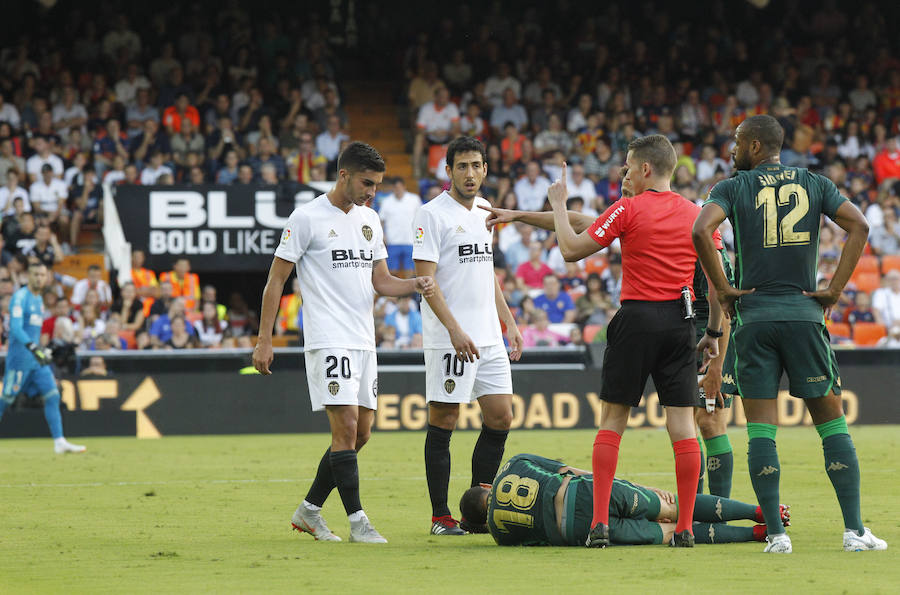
[[609, 226]]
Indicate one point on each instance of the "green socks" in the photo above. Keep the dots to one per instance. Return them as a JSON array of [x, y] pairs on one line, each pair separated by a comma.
[[765, 473], [715, 509], [842, 468], [719, 465], [721, 533], [702, 465]]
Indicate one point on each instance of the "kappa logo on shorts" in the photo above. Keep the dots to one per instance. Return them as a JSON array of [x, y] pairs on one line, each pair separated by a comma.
[[334, 387], [375, 388], [727, 379], [449, 385], [367, 233]]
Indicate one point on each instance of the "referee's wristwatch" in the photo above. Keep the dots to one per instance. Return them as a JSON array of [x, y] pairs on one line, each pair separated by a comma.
[[714, 334]]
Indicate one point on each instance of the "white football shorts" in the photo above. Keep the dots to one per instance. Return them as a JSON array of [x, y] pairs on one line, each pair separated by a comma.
[[451, 380], [342, 377]]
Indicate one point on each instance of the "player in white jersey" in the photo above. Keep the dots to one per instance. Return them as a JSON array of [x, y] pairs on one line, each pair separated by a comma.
[[465, 358], [337, 245]]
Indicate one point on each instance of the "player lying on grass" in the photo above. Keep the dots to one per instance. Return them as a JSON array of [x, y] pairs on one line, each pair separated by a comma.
[[539, 501]]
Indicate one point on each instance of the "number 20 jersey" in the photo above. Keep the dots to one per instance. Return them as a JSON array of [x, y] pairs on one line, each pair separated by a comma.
[[446, 233], [335, 253], [775, 211]]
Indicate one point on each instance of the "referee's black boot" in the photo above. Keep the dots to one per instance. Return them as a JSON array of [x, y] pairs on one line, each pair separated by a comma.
[[683, 539], [598, 537]]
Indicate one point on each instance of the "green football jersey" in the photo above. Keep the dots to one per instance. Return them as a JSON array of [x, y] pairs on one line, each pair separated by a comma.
[[701, 290], [520, 509], [775, 211]]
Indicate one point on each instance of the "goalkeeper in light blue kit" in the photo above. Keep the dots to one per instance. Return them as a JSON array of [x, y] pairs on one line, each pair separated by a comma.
[[26, 361]]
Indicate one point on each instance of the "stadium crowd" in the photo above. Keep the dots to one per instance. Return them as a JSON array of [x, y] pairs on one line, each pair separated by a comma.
[[222, 97]]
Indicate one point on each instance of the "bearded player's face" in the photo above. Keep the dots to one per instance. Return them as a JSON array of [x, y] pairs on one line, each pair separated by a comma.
[[740, 153], [467, 173]]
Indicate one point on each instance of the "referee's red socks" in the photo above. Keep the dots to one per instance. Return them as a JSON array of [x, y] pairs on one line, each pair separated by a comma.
[[603, 464], [687, 473]]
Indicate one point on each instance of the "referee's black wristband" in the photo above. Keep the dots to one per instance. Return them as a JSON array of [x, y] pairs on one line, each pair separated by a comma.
[[714, 334]]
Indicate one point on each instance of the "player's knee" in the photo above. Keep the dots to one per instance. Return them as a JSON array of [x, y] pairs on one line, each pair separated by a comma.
[[711, 424], [499, 420], [362, 437], [443, 416], [51, 397]]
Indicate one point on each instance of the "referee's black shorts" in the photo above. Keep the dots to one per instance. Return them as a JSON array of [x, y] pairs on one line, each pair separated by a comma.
[[650, 339]]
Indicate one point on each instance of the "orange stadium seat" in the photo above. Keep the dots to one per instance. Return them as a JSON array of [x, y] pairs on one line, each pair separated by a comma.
[[590, 331], [867, 264], [868, 333], [891, 262], [867, 282], [130, 342], [839, 329]]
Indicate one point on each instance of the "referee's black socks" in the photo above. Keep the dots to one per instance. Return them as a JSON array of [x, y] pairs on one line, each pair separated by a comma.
[[437, 468], [346, 476], [488, 455]]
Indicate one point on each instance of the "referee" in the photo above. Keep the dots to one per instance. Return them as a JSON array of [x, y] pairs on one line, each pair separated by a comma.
[[653, 332]]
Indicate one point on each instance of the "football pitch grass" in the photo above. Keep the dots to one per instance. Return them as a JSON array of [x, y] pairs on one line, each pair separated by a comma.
[[212, 513]]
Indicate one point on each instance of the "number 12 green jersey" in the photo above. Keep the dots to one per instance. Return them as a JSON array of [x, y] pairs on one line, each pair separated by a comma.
[[775, 211]]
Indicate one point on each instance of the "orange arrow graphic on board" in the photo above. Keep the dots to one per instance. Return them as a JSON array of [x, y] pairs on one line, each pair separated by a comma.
[[143, 396]]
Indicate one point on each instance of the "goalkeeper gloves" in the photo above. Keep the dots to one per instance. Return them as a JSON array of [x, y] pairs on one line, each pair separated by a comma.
[[41, 354]]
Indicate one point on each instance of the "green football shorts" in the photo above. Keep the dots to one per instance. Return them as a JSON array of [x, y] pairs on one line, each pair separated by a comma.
[[764, 350]]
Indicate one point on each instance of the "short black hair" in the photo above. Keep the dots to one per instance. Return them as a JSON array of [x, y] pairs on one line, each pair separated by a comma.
[[464, 144], [656, 150], [359, 156], [471, 506], [766, 130], [35, 263]]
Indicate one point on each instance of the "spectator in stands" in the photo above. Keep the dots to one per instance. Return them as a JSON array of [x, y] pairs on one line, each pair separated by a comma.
[[599, 162], [86, 206], [861, 310], [161, 328], [185, 284], [268, 175], [553, 138], [612, 277], [885, 238], [109, 142], [437, 122], [328, 143], [46, 247], [407, 322], [155, 170], [68, 113], [266, 154], [886, 300], [140, 112], [162, 303], [95, 282], [510, 110], [127, 88], [242, 321], [19, 232], [531, 190], [556, 303], [88, 326], [532, 273], [538, 334], [181, 335], [517, 241], [495, 86], [149, 142], [591, 307], [228, 173], [174, 116], [111, 337], [186, 140], [9, 160], [130, 308], [43, 156], [210, 328], [892, 339], [396, 212], [48, 195], [10, 192], [886, 164], [289, 311], [423, 86], [306, 159]]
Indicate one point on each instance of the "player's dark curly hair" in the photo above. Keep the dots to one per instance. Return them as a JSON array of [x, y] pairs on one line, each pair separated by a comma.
[[472, 506], [359, 156], [464, 144]]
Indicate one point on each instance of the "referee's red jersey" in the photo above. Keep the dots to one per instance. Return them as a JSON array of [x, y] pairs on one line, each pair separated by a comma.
[[658, 255]]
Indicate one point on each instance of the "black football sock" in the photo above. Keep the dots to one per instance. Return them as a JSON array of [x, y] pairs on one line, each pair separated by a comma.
[[323, 483], [437, 468], [346, 477], [487, 455]]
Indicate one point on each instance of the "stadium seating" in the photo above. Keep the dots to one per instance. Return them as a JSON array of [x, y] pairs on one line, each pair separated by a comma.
[[867, 264], [839, 329], [867, 282], [130, 341], [868, 333], [890, 262]]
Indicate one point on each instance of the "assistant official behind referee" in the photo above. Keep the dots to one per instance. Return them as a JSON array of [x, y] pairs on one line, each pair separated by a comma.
[[650, 335]]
